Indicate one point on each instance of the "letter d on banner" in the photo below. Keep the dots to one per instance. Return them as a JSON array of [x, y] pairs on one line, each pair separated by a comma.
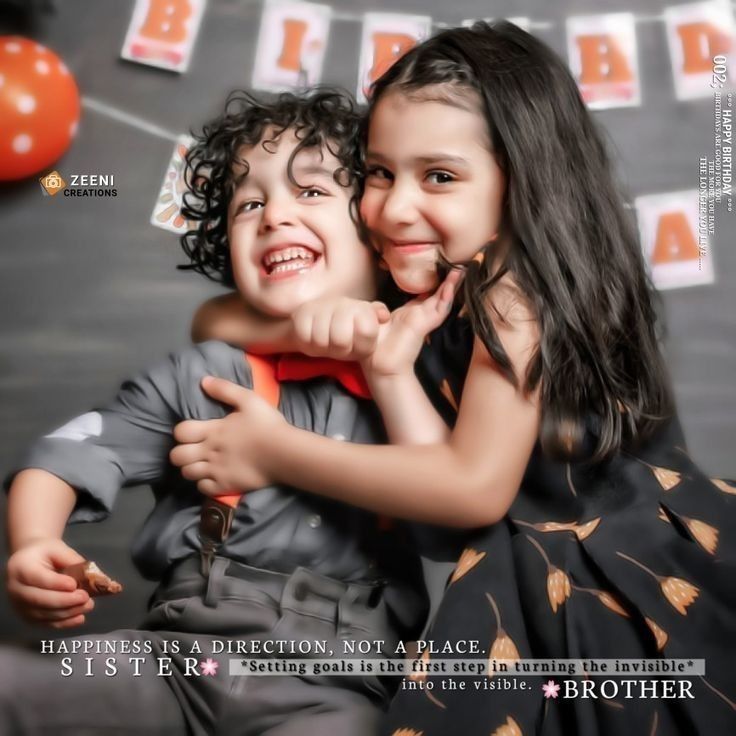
[[695, 34], [386, 38]]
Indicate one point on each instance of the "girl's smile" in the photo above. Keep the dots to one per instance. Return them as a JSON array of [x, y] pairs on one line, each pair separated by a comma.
[[428, 162]]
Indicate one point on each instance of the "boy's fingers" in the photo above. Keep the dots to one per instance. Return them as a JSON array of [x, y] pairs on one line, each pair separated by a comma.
[[382, 312], [36, 598], [48, 579], [68, 623], [366, 334], [342, 331], [60, 614], [321, 330], [225, 391]]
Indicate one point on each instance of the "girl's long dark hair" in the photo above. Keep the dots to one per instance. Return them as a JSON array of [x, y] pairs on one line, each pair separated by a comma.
[[573, 251]]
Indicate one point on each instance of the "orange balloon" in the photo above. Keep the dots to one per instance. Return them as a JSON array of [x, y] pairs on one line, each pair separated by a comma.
[[39, 108]]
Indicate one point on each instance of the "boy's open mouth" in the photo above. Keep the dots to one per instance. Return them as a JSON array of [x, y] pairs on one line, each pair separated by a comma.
[[292, 258]]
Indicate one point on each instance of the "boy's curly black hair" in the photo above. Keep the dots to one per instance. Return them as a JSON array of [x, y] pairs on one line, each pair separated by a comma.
[[325, 118]]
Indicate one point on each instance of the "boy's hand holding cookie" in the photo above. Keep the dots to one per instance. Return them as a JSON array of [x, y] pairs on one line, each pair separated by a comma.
[[39, 589]]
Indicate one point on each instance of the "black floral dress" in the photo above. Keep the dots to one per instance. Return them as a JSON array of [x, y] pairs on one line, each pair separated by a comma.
[[632, 559]]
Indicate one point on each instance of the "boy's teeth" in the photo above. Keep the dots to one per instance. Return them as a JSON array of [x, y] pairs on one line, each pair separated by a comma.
[[295, 257], [291, 266]]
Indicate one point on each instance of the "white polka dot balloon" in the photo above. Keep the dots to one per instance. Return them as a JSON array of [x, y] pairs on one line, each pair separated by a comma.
[[39, 108]]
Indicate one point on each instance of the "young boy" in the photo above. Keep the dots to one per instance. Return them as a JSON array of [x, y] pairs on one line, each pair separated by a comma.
[[271, 189]]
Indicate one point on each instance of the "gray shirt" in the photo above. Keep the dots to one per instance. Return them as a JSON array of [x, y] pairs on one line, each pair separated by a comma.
[[276, 527]]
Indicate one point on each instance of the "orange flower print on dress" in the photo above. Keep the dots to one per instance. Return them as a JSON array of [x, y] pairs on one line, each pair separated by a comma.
[[581, 531], [585, 530], [558, 584], [660, 635], [510, 728], [723, 486], [718, 693], [420, 675], [610, 602], [705, 534], [558, 588], [607, 599], [468, 560], [667, 479], [680, 593], [446, 391], [503, 646]]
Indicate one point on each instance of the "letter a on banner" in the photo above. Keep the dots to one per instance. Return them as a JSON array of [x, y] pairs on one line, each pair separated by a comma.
[[695, 34], [291, 45], [386, 38], [675, 241], [603, 59], [162, 33]]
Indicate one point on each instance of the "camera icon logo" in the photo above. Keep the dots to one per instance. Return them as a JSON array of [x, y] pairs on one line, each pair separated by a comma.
[[52, 183]]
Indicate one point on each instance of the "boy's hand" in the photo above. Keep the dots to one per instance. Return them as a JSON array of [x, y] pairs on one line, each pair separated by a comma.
[[400, 339], [340, 328], [39, 592]]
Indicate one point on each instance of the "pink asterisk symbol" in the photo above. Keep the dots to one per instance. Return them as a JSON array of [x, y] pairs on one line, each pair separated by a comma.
[[209, 666], [550, 688]]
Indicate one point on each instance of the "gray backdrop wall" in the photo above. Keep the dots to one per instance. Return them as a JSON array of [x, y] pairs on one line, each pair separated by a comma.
[[89, 290]]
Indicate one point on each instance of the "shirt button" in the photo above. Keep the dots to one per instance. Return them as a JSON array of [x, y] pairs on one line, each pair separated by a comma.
[[314, 521], [340, 437]]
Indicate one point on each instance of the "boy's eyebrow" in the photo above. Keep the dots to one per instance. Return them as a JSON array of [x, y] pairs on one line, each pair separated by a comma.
[[314, 168], [298, 170], [431, 158]]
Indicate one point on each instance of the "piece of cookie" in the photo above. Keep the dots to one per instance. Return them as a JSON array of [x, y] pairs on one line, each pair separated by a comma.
[[89, 577]]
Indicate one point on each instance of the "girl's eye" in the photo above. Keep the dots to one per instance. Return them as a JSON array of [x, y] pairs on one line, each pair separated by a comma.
[[378, 172], [439, 177]]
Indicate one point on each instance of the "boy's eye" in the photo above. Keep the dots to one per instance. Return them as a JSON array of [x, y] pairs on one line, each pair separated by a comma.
[[312, 193], [439, 177], [248, 206]]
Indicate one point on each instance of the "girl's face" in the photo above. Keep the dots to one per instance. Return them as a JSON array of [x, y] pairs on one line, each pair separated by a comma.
[[432, 185]]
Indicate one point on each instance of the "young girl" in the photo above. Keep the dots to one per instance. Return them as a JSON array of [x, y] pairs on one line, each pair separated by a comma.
[[596, 536]]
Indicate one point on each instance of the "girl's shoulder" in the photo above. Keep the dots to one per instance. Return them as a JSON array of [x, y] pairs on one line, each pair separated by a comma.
[[508, 306]]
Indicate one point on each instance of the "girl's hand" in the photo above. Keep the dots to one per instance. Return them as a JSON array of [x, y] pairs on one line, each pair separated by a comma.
[[228, 455], [400, 339], [340, 328]]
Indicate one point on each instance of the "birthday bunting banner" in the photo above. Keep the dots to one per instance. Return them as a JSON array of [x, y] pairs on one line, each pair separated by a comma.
[[603, 55]]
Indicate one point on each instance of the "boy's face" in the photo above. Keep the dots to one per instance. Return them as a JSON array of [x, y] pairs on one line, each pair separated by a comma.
[[290, 244]]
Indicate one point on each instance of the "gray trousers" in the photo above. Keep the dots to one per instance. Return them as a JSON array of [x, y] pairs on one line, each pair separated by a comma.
[[189, 612]]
